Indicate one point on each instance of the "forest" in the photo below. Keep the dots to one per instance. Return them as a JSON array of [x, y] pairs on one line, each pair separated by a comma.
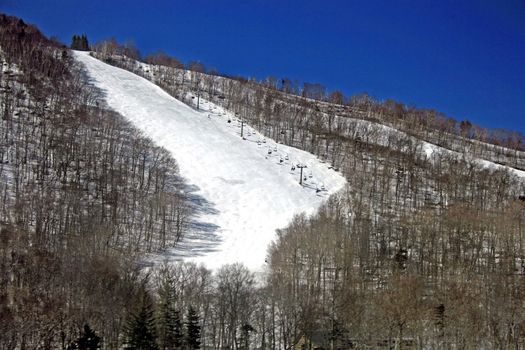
[[417, 252]]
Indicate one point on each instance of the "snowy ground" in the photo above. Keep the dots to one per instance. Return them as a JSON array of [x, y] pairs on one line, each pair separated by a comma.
[[245, 189]]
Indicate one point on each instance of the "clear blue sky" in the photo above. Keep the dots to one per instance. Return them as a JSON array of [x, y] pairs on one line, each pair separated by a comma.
[[463, 58]]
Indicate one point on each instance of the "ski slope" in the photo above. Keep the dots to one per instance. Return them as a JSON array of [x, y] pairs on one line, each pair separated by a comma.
[[245, 188]]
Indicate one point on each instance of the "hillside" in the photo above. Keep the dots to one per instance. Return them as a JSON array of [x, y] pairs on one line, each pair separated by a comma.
[[243, 193], [426, 241], [84, 197], [406, 232], [245, 186], [273, 110]]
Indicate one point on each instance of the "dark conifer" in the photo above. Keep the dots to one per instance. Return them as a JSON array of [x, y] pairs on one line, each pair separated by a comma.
[[140, 330], [80, 42], [74, 42], [84, 45], [193, 330], [169, 324]]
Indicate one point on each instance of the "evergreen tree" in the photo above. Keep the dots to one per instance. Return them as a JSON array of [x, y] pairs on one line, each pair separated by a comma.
[[193, 330], [88, 340], [84, 45], [80, 42], [140, 331], [75, 42], [169, 324]]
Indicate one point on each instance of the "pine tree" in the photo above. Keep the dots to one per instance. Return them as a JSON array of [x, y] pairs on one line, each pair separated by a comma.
[[168, 318], [193, 330], [140, 330], [74, 42], [88, 340], [84, 45], [80, 42]]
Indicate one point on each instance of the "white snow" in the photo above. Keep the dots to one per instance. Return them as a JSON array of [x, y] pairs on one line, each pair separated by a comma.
[[245, 193]]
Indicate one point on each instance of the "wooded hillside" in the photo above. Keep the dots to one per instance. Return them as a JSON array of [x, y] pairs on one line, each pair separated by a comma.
[[83, 194], [421, 250], [428, 249]]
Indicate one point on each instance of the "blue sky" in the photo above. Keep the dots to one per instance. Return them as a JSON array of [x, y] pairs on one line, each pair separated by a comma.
[[463, 58]]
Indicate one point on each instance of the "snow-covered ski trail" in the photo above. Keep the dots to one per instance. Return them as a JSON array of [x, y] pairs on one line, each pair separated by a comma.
[[246, 188]]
